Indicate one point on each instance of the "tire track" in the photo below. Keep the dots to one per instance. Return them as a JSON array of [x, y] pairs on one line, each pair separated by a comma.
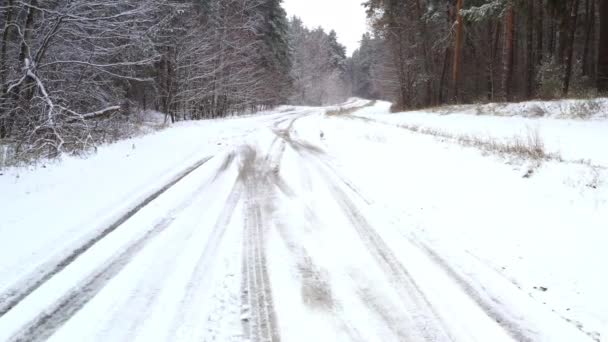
[[507, 323], [425, 319], [42, 327], [484, 301], [315, 287], [387, 313], [46, 323], [259, 324], [383, 253], [427, 322], [213, 244], [19, 292], [259, 318]]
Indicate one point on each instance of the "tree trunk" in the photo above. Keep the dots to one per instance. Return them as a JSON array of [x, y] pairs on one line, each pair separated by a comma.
[[530, 53], [444, 74], [493, 67], [458, 50], [425, 53], [508, 56], [403, 87], [551, 43], [592, 57], [589, 27], [602, 68], [562, 36], [24, 52], [8, 19], [29, 25], [540, 29], [570, 46]]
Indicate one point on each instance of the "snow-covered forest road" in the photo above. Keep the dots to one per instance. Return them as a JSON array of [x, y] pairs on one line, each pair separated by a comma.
[[268, 238]]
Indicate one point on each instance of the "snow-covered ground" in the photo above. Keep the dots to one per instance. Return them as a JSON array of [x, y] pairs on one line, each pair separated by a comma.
[[584, 109], [299, 226], [572, 139], [546, 234], [51, 209]]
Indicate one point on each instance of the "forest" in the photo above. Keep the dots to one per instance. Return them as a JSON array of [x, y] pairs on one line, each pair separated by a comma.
[[74, 73], [430, 52]]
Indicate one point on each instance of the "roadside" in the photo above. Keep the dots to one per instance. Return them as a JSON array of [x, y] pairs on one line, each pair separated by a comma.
[[573, 139], [539, 226]]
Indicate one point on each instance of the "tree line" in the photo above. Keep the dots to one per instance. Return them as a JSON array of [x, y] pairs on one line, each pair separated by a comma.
[[319, 66], [73, 72], [431, 52]]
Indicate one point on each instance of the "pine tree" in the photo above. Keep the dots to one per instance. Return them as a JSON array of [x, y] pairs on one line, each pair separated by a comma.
[[602, 77], [276, 56], [361, 68], [319, 65], [337, 51], [458, 48], [508, 57]]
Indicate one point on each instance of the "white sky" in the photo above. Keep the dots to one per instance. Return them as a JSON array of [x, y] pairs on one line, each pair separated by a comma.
[[346, 17]]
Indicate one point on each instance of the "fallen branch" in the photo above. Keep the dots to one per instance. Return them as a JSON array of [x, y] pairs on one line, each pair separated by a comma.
[[93, 115]]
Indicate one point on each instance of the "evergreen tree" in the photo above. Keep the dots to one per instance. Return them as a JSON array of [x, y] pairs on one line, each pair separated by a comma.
[[495, 49], [337, 51], [361, 68], [275, 51], [602, 77], [318, 65]]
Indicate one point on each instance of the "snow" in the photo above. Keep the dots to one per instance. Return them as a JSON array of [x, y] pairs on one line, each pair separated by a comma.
[[582, 109], [316, 228], [481, 215], [573, 139], [49, 209]]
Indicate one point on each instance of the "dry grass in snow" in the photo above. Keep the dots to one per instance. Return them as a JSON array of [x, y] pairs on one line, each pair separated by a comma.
[[348, 110], [528, 147]]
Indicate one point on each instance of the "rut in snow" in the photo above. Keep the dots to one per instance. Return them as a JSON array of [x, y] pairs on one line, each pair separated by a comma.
[[259, 318], [15, 295]]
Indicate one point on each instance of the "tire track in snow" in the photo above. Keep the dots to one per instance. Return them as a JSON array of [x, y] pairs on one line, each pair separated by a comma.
[[483, 300], [262, 179], [425, 319], [386, 312], [198, 278], [200, 271], [20, 291], [316, 290], [315, 286], [54, 316], [43, 326], [259, 318]]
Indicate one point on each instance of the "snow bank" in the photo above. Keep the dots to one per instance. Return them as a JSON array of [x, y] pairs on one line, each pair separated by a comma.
[[574, 140], [561, 109]]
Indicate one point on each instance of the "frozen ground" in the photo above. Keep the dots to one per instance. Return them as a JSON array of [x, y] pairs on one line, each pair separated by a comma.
[[298, 226]]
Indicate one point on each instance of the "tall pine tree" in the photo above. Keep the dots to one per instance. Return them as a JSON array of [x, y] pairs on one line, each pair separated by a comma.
[[602, 77]]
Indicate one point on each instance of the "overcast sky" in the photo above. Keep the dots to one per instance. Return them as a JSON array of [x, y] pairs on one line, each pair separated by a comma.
[[346, 17]]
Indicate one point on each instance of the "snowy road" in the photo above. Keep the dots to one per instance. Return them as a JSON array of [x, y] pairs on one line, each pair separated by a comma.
[[266, 241]]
